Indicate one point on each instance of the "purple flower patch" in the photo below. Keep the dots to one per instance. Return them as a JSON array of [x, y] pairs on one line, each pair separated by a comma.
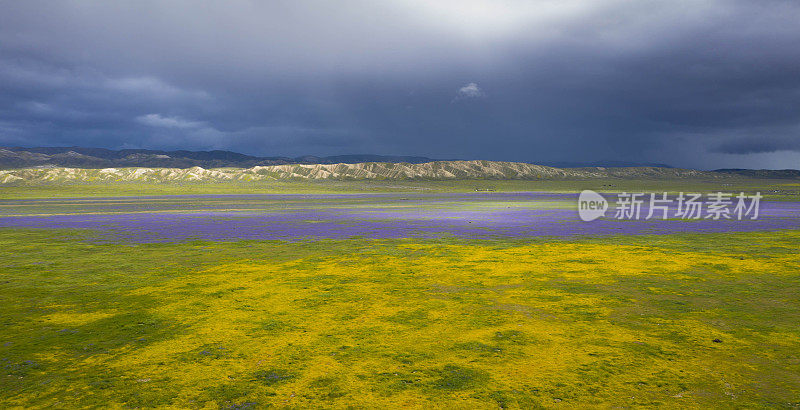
[[298, 217]]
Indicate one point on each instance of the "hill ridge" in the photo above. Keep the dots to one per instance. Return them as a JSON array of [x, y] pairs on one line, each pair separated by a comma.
[[435, 170], [86, 157], [82, 157]]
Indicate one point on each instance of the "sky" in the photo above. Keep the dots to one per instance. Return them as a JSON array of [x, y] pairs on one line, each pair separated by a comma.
[[702, 84]]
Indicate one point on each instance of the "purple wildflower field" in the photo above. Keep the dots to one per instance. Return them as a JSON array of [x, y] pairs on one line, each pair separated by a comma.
[[298, 217]]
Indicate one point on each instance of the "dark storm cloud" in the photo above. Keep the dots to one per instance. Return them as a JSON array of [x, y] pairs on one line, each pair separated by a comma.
[[692, 83], [761, 145]]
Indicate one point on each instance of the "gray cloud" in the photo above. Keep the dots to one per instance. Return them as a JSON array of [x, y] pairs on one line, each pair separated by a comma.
[[760, 144], [573, 80], [156, 120], [470, 90]]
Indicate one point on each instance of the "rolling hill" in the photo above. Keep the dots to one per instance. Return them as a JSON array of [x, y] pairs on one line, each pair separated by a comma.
[[76, 164], [437, 170], [81, 157]]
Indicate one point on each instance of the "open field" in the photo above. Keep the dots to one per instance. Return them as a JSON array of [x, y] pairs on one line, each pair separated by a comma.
[[780, 189], [395, 294]]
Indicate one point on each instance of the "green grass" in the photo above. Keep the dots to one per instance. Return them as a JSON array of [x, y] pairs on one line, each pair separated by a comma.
[[617, 322], [786, 189]]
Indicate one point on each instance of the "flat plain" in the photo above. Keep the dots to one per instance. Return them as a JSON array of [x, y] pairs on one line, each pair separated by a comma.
[[377, 294]]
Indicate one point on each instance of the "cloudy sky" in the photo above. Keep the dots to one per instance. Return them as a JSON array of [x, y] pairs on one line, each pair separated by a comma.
[[706, 83]]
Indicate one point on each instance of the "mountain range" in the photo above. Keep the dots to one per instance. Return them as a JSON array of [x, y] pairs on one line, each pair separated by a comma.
[[437, 170], [99, 164], [83, 157]]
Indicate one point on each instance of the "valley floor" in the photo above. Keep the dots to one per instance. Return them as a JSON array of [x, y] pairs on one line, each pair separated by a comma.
[[675, 319]]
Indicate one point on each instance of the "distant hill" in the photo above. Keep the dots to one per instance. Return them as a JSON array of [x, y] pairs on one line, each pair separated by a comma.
[[763, 173], [93, 158], [437, 170], [97, 164], [83, 157]]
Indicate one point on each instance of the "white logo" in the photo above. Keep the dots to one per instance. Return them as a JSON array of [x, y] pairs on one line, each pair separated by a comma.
[[591, 205], [636, 206]]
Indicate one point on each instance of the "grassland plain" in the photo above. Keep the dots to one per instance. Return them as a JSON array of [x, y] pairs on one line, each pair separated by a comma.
[[775, 189], [693, 320], [673, 320]]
